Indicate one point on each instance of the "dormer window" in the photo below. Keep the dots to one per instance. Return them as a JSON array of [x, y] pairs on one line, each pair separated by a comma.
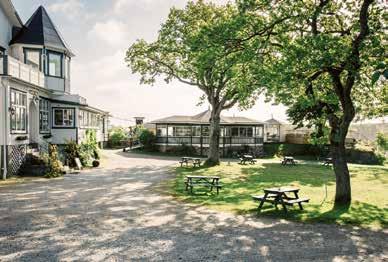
[[55, 64], [32, 57]]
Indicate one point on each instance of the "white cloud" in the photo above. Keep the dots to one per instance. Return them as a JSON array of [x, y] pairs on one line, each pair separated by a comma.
[[112, 32], [71, 8]]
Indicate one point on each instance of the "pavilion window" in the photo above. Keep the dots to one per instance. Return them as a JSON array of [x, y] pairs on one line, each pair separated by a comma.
[[205, 131], [161, 131], [235, 131], [196, 131], [259, 131], [182, 131]]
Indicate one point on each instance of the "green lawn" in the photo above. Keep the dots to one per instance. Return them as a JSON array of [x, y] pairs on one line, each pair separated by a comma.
[[369, 188]]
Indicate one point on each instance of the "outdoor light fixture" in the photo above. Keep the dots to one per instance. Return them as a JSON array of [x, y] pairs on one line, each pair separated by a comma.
[[12, 110]]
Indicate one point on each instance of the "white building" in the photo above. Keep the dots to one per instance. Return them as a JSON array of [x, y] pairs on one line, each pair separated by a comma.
[[36, 104]]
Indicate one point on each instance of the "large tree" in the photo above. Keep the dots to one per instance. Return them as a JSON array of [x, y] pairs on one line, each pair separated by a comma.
[[327, 67], [195, 46]]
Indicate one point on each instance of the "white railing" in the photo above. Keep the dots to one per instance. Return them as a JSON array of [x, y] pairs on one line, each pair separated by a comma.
[[19, 70]]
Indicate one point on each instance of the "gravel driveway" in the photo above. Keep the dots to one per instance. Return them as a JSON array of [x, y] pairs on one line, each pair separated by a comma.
[[115, 214]]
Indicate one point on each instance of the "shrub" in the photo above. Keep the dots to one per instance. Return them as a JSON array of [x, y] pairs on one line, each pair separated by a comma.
[[72, 150], [116, 135], [382, 141], [87, 151], [54, 165], [147, 139], [183, 150], [280, 149]]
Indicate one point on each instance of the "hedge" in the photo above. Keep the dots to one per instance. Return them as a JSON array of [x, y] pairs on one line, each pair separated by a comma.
[[353, 155]]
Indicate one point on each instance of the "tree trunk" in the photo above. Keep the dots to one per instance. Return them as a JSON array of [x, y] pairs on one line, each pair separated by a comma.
[[339, 130], [213, 158], [343, 191]]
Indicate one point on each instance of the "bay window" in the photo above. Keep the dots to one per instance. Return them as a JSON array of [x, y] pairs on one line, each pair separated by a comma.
[[44, 113], [32, 57], [63, 117], [18, 111], [55, 64]]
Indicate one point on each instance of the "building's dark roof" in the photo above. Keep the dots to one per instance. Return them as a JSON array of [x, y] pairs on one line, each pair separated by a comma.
[[273, 121], [204, 118], [40, 30]]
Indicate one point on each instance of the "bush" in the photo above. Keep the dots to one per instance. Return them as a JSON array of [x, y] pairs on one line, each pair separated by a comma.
[[54, 166], [87, 151], [279, 149], [382, 142], [147, 139], [357, 155], [116, 135], [183, 150], [72, 150]]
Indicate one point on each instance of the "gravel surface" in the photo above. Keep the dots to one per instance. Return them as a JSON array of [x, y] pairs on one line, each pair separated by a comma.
[[115, 214]]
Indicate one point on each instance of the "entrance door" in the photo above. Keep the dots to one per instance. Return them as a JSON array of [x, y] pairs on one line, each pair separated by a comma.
[[33, 118]]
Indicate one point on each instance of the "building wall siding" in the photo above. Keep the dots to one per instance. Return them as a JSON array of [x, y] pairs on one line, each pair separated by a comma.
[[5, 30]]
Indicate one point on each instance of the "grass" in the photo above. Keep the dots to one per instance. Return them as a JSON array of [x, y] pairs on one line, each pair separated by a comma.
[[369, 206]]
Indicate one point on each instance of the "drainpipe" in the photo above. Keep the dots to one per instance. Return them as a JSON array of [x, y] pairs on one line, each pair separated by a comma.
[[5, 130]]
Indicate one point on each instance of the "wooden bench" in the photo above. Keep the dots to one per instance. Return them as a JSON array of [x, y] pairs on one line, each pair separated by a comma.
[[299, 201], [202, 181], [288, 160], [197, 162], [278, 196]]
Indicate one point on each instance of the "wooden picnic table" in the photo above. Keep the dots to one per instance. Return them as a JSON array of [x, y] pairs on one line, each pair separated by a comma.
[[187, 160], [278, 195], [204, 181], [247, 158], [288, 160]]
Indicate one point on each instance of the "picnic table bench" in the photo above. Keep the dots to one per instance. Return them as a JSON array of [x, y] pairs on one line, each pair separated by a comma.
[[278, 196], [203, 181], [288, 160], [328, 161], [247, 158], [186, 160]]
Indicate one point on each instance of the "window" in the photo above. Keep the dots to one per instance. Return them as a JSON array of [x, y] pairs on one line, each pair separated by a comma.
[[54, 64], [44, 113], [196, 131], [205, 131], [259, 131], [63, 117], [89, 119], [182, 130], [32, 57], [234, 131], [19, 111], [161, 130]]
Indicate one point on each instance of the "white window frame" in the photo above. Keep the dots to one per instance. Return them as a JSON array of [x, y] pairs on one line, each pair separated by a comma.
[[64, 125], [44, 110], [18, 103]]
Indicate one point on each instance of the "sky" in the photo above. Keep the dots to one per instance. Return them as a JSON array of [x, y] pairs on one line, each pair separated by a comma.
[[99, 32]]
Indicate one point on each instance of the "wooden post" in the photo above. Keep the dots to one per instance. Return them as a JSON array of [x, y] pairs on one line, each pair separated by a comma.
[[201, 141], [167, 135], [191, 135]]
